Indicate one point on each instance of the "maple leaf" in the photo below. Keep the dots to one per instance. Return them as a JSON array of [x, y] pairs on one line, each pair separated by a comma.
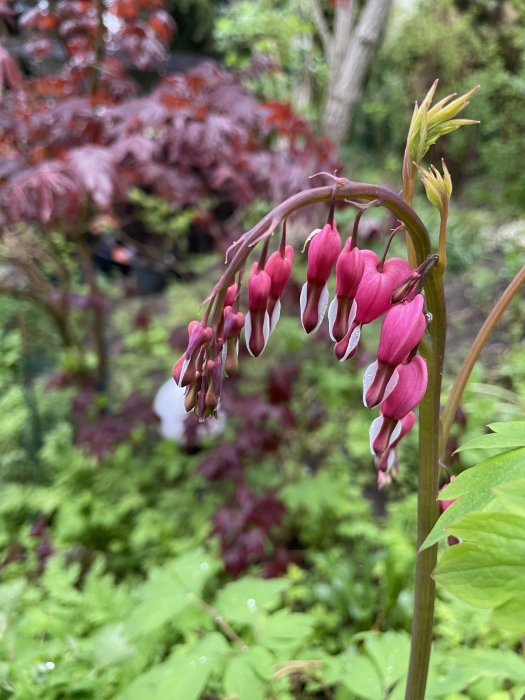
[[94, 169]]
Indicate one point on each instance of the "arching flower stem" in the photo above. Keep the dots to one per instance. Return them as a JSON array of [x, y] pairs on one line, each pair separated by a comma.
[[433, 349]]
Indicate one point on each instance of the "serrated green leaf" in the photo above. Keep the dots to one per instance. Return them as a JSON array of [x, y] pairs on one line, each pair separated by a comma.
[[244, 600], [474, 489], [488, 568]]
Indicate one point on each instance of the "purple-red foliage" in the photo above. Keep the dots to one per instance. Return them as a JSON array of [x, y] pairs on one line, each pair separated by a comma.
[[250, 528], [86, 134], [100, 430]]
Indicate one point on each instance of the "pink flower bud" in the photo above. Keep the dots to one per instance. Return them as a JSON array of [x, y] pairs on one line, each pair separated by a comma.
[[184, 369], [324, 249], [401, 332], [233, 323], [231, 293], [443, 505], [279, 268], [213, 376], [257, 328], [349, 271]]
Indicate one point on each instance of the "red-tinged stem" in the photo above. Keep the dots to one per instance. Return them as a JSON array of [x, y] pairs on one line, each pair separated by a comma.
[[472, 357]]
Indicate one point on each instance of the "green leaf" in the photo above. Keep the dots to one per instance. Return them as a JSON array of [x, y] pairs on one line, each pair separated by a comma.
[[389, 651], [111, 646], [183, 675], [169, 590], [285, 630], [511, 436], [247, 674], [243, 601], [360, 676], [512, 495], [475, 486], [488, 568]]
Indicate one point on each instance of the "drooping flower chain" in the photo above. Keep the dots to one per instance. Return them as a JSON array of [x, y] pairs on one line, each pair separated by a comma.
[[366, 289]]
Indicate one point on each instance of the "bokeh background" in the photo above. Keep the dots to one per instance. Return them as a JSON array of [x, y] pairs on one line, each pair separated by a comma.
[[145, 555]]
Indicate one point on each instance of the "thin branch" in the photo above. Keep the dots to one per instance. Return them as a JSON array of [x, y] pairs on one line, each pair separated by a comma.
[[322, 29], [220, 621], [472, 357]]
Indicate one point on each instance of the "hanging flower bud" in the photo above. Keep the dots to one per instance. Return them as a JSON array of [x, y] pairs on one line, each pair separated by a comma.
[[257, 329], [324, 249], [388, 459], [401, 332], [279, 267], [372, 297], [233, 323], [214, 384], [408, 392], [349, 270], [184, 369], [231, 293]]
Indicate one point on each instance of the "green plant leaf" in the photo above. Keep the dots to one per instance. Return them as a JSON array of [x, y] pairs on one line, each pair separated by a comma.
[[512, 435], [512, 495], [247, 675], [475, 490], [389, 651], [360, 675], [285, 630], [183, 675], [111, 646], [169, 590], [243, 601], [488, 568]]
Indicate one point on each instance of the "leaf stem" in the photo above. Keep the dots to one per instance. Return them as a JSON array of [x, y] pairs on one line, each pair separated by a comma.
[[472, 357]]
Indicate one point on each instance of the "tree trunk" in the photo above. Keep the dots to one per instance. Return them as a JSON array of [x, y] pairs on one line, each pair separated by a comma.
[[347, 70]]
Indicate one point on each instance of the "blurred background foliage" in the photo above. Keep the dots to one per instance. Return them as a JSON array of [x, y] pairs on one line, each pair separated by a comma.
[[128, 560]]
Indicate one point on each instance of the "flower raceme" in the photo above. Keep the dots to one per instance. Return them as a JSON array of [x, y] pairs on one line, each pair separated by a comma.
[[366, 288]]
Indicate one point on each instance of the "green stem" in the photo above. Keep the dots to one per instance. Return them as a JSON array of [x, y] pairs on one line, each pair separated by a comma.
[[472, 357], [422, 621]]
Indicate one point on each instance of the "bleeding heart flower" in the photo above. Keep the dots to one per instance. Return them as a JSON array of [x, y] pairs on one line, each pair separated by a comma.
[[408, 392], [257, 329], [279, 268], [372, 297], [324, 249], [401, 332], [349, 270]]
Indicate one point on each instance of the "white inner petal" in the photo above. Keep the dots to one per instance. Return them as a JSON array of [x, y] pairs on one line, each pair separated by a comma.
[[332, 314], [392, 383], [302, 301], [352, 343], [248, 331], [374, 431], [395, 433], [321, 307], [276, 315], [266, 329], [368, 378], [352, 314], [183, 370]]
